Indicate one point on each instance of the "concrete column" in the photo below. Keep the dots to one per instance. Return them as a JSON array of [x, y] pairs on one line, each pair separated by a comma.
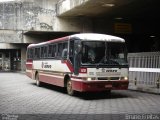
[[23, 58]]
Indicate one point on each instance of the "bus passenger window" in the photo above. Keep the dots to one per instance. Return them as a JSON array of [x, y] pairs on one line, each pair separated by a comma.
[[50, 51], [61, 46], [37, 53], [30, 53], [43, 52], [54, 50]]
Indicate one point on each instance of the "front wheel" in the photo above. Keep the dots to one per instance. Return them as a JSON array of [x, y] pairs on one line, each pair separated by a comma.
[[70, 91]]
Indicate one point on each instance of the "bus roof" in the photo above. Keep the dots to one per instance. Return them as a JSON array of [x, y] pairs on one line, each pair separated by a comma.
[[97, 37], [84, 37]]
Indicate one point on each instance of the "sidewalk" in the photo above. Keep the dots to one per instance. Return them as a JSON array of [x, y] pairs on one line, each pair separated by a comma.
[[144, 88]]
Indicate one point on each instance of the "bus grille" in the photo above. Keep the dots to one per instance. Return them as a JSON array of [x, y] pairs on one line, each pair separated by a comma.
[[108, 78]]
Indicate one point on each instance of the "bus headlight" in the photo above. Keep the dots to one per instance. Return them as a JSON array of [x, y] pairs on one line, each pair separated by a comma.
[[125, 78], [89, 79]]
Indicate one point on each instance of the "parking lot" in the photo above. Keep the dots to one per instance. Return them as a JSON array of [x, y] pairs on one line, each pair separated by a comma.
[[20, 95]]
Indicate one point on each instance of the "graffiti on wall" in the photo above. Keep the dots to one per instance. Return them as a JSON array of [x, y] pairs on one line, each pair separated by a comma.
[[26, 15]]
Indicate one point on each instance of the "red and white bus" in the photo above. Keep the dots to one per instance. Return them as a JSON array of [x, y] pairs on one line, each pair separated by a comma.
[[80, 62]]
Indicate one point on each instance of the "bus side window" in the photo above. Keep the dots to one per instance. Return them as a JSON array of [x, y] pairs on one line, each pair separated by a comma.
[[45, 52], [65, 49], [37, 53], [50, 50], [61, 47], [42, 52], [54, 50], [30, 53]]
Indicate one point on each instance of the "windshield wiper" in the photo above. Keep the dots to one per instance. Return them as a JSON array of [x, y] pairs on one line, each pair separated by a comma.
[[103, 60]]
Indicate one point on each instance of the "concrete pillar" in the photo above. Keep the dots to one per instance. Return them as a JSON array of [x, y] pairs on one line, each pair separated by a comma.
[[23, 58]]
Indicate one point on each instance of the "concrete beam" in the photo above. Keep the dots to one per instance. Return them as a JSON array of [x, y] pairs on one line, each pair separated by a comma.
[[10, 36], [9, 46], [66, 5], [75, 24]]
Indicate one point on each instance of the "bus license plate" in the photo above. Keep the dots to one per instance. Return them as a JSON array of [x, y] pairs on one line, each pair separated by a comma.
[[108, 86]]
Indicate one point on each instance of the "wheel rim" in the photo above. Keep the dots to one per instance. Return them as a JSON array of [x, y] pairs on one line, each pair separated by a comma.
[[37, 81], [69, 87]]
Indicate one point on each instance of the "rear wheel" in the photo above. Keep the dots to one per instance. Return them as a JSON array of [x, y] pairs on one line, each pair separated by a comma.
[[70, 91], [38, 83]]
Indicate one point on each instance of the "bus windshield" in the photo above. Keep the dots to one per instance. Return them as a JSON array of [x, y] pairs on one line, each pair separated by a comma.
[[109, 53]]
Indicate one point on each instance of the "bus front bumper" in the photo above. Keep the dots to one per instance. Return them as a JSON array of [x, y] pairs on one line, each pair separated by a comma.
[[93, 86]]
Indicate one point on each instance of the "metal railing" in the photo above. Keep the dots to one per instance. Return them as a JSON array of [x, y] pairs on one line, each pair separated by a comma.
[[144, 69]]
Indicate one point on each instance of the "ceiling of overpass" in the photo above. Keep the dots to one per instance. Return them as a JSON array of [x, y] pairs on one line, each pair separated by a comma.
[[117, 8]]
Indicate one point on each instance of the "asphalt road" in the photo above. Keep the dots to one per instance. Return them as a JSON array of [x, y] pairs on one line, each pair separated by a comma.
[[19, 95]]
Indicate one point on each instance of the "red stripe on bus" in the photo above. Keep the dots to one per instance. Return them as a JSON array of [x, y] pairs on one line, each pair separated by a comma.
[[29, 66], [83, 86], [59, 39], [29, 60], [50, 41], [52, 80], [68, 63]]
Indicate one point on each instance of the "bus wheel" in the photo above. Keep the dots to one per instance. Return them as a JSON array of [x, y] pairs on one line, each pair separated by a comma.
[[38, 83], [70, 91]]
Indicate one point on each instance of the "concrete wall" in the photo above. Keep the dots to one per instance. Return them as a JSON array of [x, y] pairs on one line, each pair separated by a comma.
[[11, 36], [74, 24], [27, 14], [36, 15]]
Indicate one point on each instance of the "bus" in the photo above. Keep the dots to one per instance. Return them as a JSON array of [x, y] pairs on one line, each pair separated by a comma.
[[84, 62]]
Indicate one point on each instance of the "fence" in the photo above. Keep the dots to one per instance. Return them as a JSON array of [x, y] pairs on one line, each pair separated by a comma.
[[144, 71]]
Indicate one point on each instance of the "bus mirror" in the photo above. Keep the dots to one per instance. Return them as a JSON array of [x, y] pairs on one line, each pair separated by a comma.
[[76, 63], [64, 54], [77, 54]]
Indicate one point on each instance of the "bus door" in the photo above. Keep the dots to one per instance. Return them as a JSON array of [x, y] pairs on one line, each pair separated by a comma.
[[77, 56]]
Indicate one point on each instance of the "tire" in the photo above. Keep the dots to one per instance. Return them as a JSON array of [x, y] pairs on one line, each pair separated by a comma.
[[38, 83], [70, 91]]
